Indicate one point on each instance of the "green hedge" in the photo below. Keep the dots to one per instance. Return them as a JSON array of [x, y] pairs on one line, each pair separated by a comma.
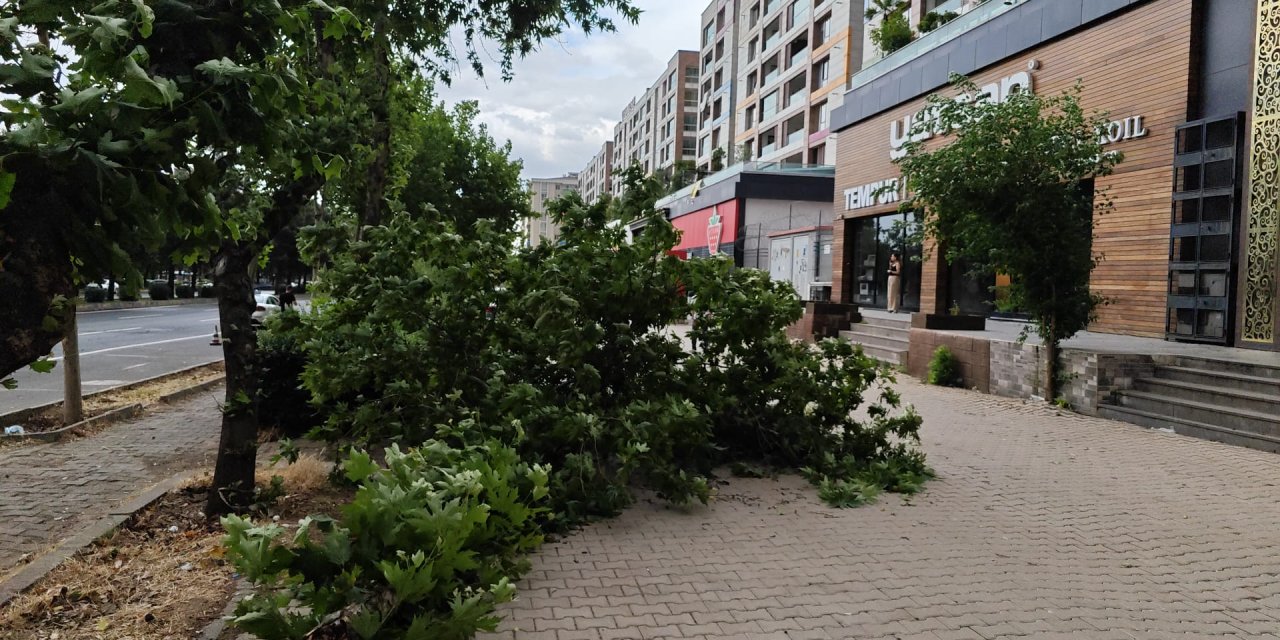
[[159, 290]]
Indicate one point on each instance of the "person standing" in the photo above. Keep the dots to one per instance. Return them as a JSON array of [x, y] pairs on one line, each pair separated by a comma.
[[895, 284], [288, 299]]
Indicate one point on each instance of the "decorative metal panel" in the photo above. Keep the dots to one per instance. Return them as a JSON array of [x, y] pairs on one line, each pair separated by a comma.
[[1264, 175]]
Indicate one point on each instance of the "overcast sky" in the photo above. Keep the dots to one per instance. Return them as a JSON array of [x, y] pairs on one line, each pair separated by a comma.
[[564, 100]]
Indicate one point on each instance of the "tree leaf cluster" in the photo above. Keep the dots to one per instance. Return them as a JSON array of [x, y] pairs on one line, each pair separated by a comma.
[[1012, 192]]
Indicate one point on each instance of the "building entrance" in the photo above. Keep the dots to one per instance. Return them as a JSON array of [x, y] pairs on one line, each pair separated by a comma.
[[874, 239]]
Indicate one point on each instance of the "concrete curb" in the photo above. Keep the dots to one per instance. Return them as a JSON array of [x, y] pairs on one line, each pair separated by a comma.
[[137, 304], [68, 547], [22, 414], [187, 392], [119, 413]]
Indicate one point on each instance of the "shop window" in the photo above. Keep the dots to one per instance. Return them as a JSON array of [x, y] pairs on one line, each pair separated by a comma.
[[873, 241]]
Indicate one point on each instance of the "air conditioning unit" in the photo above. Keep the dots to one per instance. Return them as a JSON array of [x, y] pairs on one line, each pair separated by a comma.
[[820, 292]]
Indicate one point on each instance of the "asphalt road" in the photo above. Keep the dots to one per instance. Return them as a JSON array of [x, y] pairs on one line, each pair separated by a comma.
[[121, 346]]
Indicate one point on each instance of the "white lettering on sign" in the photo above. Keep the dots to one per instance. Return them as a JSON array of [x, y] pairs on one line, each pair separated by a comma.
[[1126, 129], [901, 131], [869, 195]]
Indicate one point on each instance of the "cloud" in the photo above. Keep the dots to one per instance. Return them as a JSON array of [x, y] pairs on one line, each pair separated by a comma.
[[565, 98]]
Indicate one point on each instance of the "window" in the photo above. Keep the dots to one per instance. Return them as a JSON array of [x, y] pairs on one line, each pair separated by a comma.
[[797, 12], [822, 30], [822, 73], [690, 74], [752, 48], [691, 122], [708, 32], [752, 83], [754, 14], [749, 117], [690, 98], [671, 82], [715, 110], [720, 49], [818, 117], [719, 79]]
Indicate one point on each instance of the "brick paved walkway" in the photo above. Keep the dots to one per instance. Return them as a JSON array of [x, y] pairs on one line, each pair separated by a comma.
[[49, 491], [1040, 525]]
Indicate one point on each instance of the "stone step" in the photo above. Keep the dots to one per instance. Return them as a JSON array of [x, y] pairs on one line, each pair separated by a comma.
[[1256, 370], [899, 321], [1215, 394], [880, 330], [1226, 416], [1213, 377], [889, 356], [1202, 430], [888, 342]]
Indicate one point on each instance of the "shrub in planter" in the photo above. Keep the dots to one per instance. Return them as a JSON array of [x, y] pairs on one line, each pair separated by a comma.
[[159, 290], [205, 290], [430, 544], [184, 291], [127, 295], [934, 19], [944, 369], [94, 293]]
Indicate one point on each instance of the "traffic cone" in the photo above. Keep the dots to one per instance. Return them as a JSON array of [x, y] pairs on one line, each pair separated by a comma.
[[217, 339]]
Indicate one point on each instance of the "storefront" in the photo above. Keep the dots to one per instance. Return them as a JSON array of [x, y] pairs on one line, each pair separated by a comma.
[[1165, 72], [765, 216]]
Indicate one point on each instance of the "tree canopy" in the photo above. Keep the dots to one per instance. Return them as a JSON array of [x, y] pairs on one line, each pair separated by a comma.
[[1013, 193]]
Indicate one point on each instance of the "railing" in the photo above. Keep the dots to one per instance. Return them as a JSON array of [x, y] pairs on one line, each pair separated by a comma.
[[797, 56], [927, 42], [795, 136], [799, 95]]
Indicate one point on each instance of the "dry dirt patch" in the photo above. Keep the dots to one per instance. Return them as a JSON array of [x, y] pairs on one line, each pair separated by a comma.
[[163, 573]]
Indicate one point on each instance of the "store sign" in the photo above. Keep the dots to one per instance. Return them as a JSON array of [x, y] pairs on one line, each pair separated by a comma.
[[1126, 129], [869, 195], [714, 228], [901, 131]]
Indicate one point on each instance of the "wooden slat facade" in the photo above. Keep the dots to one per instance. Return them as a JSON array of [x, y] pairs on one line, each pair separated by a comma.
[[1135, 64]]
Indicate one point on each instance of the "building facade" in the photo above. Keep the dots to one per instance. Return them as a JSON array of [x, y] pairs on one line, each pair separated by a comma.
[[794, 60], [1189, 250], [596, 179], [539, 227], [659, 127], [717, 100]]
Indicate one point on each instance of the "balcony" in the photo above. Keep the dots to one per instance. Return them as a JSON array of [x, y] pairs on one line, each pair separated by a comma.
[[927, 42]]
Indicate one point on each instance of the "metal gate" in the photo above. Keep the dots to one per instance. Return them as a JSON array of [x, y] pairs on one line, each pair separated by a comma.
[[1203, 233]]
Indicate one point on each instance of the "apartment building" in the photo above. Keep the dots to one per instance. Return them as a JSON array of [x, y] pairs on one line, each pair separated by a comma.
[[659, 127], [717, 100], [794, 60], [595, 180], [539, 227]]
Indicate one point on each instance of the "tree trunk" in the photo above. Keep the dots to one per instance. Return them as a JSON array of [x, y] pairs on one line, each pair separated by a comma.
[[232, 488], [193, 278], [1051, 364], [35, 267], [173, 282], [72, 398], [111, 288], [380, 112]]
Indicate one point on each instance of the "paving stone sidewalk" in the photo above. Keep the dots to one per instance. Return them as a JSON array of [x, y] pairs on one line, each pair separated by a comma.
[[50, 491], [1040, 525]]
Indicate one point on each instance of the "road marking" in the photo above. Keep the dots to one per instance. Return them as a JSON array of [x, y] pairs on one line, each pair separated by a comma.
[[101, 383], [153, 315], [135, 366], [94, 333], [141, 344]]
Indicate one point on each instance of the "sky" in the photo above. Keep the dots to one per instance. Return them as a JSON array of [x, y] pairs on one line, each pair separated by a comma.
[[565, 98]]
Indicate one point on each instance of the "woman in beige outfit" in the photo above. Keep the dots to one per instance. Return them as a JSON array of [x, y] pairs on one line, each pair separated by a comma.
[[895, 285]]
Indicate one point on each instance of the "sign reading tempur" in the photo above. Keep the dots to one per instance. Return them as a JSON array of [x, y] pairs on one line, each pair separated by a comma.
[[870, 195]]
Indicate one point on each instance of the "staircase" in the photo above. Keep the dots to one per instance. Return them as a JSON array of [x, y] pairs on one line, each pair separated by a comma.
[[1230, 402], [883, 336]]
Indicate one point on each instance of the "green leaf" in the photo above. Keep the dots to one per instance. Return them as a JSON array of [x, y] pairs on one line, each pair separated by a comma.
[[359, 466], [43, 365], [7, 180]]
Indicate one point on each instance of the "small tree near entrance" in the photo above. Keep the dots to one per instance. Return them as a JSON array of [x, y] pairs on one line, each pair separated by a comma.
[[1012, 193]]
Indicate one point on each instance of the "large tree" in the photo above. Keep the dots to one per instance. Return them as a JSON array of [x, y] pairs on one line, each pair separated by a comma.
[[1013, 193], [132, 121]]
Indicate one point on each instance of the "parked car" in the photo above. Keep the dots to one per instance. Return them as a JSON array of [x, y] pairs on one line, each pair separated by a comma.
[[267, 305]]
